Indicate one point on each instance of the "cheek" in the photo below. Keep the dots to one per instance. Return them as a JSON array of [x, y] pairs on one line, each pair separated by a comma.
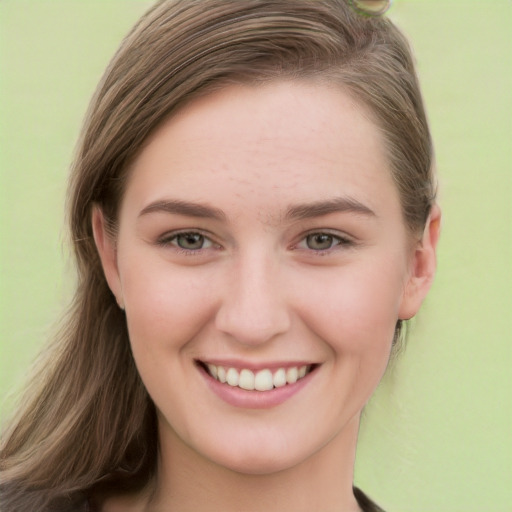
[[358, 323], [165, 307], [355, 309]]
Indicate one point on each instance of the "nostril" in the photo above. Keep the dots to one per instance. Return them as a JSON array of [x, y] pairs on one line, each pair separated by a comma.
[[253, 327]]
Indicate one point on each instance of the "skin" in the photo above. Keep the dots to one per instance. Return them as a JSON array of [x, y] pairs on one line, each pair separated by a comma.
[[260, 291]]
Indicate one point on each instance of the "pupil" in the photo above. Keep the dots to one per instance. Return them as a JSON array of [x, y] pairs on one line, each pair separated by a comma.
[[319, 241], [190, 241]]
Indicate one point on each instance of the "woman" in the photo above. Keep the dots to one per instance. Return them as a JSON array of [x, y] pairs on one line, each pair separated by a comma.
[[253, 213]]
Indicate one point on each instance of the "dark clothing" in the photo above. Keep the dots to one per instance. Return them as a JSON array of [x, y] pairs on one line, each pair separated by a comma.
[[83, 504], [365, 503]]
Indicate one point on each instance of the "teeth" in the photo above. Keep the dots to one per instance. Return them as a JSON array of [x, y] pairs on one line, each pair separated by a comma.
[[280, 378], [292, 375], [246, 380], [221, 374], [213, 370], [263, 380], [232, 377]]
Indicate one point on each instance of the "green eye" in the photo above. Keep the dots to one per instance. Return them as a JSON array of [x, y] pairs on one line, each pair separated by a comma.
[[191, 241], [321, 241]]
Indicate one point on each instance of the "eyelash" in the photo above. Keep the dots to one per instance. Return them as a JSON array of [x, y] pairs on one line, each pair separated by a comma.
[[337, 241]]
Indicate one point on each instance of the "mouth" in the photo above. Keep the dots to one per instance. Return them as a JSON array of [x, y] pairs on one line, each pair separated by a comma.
[[264, 379]]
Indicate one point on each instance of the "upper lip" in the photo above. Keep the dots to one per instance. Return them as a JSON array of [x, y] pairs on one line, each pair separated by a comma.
[[255, 365]]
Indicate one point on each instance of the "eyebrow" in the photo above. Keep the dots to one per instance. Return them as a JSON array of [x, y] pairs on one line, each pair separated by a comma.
[[296, 212], [335, 205], [186, 208]]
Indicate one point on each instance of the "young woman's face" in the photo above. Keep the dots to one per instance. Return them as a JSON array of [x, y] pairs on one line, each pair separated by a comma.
[[261, 241]]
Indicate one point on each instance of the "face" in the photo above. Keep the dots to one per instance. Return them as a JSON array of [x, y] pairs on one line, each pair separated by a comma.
[[263, 262]]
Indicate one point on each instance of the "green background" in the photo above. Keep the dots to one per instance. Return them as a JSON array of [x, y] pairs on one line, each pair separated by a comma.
[[438, 434]]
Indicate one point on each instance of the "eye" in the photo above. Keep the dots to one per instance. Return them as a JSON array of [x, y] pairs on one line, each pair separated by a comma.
[[188, 241], [321, 241]]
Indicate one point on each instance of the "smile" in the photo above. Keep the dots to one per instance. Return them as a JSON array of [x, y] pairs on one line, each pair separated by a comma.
[[261, 380]]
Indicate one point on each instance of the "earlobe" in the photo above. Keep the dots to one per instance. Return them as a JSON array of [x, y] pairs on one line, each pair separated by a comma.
[[105, 244], [423, 267]]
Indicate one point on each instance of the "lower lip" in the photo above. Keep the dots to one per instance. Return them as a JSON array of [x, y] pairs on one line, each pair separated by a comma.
[[242, 398]]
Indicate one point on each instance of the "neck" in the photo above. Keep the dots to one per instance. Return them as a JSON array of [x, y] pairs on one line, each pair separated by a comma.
[[189, 482]]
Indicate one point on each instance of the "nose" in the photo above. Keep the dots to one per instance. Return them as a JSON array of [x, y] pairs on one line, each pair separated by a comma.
[[253, 308]]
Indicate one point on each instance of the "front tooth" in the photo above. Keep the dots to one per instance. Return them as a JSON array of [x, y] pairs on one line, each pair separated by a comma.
[[263, 380], [246, 380], [221, 374], [292, 374], [213, 370], [302, 371], [232, 377], [279, 379]]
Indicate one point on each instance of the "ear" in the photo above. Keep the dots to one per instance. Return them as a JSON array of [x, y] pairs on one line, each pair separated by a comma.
[[423, 267], [106, 247]]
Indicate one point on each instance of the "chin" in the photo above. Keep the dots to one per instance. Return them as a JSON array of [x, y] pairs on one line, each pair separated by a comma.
[[255, 456], [258, 464]]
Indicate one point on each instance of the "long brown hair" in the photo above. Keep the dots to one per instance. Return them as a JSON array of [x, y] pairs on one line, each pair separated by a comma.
[[87, 420]]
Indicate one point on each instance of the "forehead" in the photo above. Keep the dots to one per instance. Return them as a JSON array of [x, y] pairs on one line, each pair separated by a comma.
[[280, 143]]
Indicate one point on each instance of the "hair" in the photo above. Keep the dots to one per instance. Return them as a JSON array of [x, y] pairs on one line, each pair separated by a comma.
[[87, 421]]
